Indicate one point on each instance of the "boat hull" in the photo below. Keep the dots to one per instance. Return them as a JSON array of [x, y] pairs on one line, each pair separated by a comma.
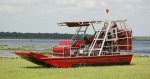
[[66, 62], [33, 57], [89, 61]]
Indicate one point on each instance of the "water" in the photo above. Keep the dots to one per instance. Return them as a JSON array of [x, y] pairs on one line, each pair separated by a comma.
[[141, 47], [28, 42], [33, 44]]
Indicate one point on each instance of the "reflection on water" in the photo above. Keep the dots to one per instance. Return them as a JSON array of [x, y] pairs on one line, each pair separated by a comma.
[[142, 47]]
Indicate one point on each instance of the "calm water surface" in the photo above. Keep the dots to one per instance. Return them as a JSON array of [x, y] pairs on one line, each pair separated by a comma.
[[142, 47]]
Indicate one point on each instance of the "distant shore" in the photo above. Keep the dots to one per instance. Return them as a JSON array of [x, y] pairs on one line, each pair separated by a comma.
[[18, 35], [141, 38]]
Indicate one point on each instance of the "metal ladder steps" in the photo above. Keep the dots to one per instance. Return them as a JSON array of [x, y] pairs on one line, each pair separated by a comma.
[[103, 39], [106, 39], [97, 49], [111, 39]]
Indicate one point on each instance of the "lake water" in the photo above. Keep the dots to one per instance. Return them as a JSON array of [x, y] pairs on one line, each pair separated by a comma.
[[141, 47], [36, 44]]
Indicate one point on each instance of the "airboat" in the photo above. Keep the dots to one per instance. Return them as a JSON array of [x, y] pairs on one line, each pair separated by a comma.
[[110, 44]]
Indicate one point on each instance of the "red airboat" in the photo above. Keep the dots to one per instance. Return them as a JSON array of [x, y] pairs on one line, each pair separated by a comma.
[[110, 44]]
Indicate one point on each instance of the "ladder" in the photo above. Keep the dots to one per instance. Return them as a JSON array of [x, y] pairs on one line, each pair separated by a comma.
[[92, 47]]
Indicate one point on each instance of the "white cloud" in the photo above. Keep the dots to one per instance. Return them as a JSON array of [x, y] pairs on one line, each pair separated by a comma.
[[72, 7], [9, 9], [65, 2], [104, 3], [20, 2], [89, 3], [68, 9], [128, 1], [86, 5], [16, 6]]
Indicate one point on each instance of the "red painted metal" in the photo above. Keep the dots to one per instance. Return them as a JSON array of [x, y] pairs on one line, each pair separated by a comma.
[[70, 53], [66, 62], [84, 61], [64, 42], [32, 57], [61, 51]]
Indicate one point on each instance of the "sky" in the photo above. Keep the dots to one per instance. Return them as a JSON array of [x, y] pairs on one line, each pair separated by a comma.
[[43, 15]]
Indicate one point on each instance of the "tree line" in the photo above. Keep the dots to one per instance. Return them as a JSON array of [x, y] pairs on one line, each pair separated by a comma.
[[18, 35]]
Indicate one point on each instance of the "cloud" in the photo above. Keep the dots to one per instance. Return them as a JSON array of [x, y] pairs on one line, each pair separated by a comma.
[[25, 7], [89, 3], [33, 11], [126, 8], [72, 7], [49, 6], [45, 7], [127, 1], [65, 2], [20, 2], [9, 9]]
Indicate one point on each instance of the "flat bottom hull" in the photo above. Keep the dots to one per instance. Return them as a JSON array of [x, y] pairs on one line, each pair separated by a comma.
[[89, 61], [66, 62]]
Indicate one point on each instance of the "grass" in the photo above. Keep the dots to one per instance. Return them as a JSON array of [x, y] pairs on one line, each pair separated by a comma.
[[22, 69]]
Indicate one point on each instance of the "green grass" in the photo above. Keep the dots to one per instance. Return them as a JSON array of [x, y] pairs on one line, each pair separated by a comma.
[[22, 69]]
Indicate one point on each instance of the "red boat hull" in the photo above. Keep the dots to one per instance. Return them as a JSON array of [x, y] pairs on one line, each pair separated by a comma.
[[65, 62], [94, 61], [32, 57]]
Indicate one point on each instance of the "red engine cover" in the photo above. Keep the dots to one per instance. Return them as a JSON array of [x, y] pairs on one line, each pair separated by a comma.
[[61, 51], [65, 42]]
